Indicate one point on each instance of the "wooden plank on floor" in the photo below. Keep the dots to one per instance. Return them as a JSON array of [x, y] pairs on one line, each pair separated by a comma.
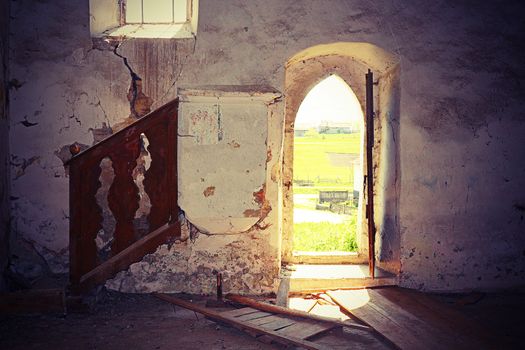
[[426, 334], [441, 316], [240, 312], [253, 316], [406, 323], [391, 329], [306, 329], [290, 312], [279, 323], [288, 339], [268, 319]]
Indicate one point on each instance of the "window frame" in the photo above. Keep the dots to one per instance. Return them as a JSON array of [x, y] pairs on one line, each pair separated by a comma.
[[108, 21], [122, 14]]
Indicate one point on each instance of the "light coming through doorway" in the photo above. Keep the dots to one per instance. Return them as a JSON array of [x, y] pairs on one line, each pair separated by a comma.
[[327, 168]]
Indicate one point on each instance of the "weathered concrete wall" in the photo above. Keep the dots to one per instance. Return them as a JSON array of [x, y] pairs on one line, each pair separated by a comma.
[[460, 203], [4, 143]]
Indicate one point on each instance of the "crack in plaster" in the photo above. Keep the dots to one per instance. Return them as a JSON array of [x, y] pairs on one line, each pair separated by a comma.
[[99, 105], [134, 78]]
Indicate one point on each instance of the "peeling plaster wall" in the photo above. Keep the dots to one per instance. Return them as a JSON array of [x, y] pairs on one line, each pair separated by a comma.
[[4, 143], [461, 203], [223, 154]]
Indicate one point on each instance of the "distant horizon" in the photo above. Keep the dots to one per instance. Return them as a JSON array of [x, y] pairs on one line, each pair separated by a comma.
[[325, 122]]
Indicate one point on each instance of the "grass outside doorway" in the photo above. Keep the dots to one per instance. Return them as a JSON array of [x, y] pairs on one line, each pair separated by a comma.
[[315, 171]]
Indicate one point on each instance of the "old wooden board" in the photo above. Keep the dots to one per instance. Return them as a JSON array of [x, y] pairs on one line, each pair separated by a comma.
[[405, 323], [240, 312], [293, 313], [465, 332], [306, 329], [252, 316], [244, 325], [274, 322], [382, 322]]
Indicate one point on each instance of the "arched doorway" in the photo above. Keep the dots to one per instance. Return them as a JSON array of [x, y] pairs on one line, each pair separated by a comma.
[[327, 163], [350, 61]]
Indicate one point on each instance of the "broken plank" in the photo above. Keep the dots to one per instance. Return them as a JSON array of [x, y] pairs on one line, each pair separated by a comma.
[[245, 325], [306, 329], [296, 313]]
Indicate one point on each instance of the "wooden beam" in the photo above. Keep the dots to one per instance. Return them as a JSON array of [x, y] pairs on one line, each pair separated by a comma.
[[131, 131], [134, 253], [291, 312], [215, 315]]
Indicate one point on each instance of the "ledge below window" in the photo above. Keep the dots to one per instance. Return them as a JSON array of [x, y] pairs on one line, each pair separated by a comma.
[[152, 31]]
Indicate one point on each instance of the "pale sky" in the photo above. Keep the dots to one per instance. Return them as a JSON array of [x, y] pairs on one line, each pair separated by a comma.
[[329, 100]]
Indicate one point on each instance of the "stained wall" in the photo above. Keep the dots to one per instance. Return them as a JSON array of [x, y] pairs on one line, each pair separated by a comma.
[[459, 204]]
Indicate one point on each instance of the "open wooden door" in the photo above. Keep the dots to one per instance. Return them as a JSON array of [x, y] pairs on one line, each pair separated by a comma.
[[370, 170]]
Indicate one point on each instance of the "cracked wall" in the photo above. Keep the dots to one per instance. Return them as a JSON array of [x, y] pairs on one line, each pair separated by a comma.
[[459, 199]]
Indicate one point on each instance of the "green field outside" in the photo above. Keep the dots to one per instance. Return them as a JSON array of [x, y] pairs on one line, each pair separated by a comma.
[[312, 165], [311, 162], [329, 237]]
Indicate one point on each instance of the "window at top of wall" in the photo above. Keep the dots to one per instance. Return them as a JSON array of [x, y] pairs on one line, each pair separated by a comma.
[[156, 11], [143, 18]]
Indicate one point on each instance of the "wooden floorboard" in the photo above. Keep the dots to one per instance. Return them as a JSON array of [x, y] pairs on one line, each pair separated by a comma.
[[279, 323], [390, 329], [425, 336], [413, 320], [253, 316], [465, 332], [246, 326], [305, 329], [240, 312], [268, 319]]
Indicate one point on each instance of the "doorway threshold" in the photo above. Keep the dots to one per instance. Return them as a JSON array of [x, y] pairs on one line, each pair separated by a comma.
[[306, 278]]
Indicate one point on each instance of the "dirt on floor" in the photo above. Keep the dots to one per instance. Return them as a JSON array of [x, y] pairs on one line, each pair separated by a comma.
[[122, 321], [138, 321]]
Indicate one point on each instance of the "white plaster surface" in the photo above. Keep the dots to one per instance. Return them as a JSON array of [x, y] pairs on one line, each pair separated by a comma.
[[222, 155], [461, 159]]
